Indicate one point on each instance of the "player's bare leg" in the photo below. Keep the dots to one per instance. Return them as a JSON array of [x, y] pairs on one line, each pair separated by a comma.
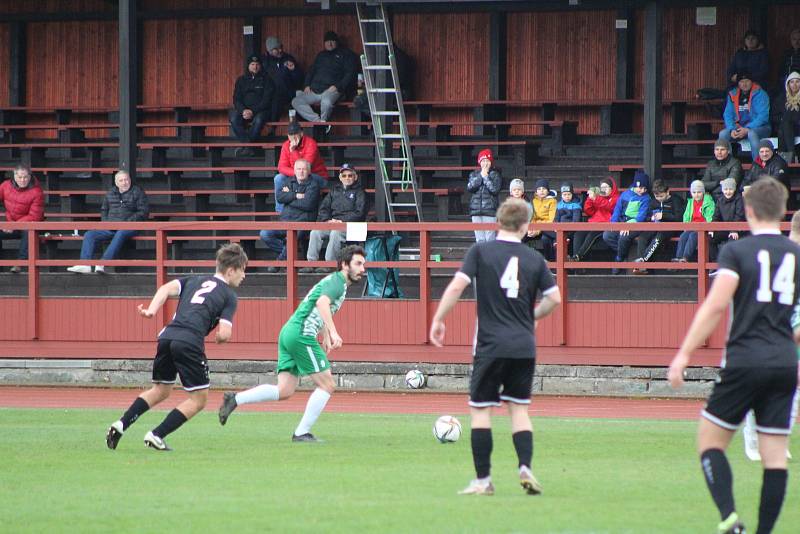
[[326, 385], [522, 435], [481, 437]]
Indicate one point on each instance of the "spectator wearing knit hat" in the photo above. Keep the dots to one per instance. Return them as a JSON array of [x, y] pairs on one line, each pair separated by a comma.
[[544, 211], [484, 184], [332, 75], [516, 189], [729, 208], [723, 166], [699, 208], [252, 103], [767, 163], [568, 208], [746, 113], [752, 58], [285, 73], [633, 207], [599, 206]]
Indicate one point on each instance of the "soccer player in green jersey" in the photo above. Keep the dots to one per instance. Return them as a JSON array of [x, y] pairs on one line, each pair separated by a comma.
[[299, 352]]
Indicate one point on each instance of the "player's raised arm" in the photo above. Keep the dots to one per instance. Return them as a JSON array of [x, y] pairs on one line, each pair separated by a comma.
[[170, 289], [451, 295]]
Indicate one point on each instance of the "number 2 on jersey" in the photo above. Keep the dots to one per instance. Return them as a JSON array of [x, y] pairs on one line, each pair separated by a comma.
[[783, 284], [207, 287], [510, 278]]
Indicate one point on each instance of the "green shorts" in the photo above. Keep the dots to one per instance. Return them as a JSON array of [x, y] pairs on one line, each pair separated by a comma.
[[299, 354]]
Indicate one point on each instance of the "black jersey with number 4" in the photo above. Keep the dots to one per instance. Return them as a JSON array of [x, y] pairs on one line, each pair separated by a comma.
[[204, 301], [768, 270], [507, 276]]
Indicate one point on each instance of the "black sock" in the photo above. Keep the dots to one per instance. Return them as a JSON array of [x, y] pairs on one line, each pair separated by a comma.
[[482, 451], [773, 489], [719, 479], [136, 409], [170, 424], [523, 443]]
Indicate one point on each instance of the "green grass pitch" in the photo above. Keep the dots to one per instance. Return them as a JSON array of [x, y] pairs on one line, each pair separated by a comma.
[[374, 473]]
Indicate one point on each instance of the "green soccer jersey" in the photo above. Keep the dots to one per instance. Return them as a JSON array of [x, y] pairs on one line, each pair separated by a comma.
[[307, 316]]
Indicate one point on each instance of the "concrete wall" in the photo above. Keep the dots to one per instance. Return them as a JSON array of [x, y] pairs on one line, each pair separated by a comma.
[[549, 380]]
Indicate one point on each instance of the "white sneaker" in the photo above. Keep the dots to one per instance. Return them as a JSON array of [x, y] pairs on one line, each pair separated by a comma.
[[478, 487], [80, 269], [154, 442], [99, 269]]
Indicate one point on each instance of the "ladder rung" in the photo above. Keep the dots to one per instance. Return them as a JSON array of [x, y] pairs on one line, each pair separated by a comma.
[[384, 136], [384, 90], [378, 67], [385, 159], [402, 204], [398, 182], [376, 43], [372, 20], [387, 113]]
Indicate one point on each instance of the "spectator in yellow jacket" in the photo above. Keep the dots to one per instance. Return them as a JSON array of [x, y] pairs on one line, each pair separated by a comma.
[[544, 211]]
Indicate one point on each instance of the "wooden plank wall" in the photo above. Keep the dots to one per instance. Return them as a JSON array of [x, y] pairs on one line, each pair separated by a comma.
[[562, 56], [5, 34]]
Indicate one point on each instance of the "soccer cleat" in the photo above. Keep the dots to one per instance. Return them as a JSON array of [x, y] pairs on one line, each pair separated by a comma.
[[529, 482], [80, 269], [476, 487], [99, 269], [732, 525], [114, 434], [154, 442], [308, 437], [228, 405]]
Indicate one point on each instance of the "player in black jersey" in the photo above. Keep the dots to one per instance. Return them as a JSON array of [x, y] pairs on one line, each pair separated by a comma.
[[508, 276], [760, 276], [205, 302]]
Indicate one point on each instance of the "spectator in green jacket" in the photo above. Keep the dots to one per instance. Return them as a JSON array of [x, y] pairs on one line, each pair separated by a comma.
[[699, 208]]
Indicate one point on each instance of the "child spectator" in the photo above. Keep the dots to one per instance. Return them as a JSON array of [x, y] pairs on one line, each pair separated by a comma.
[[699, 208], [484, 184], [568, 208], [599, 206], [516, 189], [544, 211], [729, 208], [633, 207], [666, 208]]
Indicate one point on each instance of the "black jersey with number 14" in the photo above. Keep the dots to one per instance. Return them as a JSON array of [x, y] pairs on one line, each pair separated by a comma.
[[204, 301], [768, 270], [507, 276]]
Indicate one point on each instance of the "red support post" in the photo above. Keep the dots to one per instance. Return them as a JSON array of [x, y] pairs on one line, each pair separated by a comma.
[[33, 284], [561, 282], [291, 272], [702, 259], [424, 284]]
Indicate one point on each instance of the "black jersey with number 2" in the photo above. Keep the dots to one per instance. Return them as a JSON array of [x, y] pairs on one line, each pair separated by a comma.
[[204, 301], [507, 276], [768, 270]]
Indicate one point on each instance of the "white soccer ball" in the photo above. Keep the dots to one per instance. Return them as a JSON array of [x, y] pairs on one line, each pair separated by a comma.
[[447, 429], [415, 379]]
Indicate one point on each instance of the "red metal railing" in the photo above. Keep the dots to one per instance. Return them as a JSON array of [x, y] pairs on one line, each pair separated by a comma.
[[161, 263]]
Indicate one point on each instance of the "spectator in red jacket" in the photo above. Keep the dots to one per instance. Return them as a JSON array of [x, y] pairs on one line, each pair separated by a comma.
[[297, 147], [24, 202], [599, 206]]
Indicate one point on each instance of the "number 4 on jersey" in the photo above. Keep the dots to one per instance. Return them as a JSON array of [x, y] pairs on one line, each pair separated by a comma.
[[510, 279], [783, 284]]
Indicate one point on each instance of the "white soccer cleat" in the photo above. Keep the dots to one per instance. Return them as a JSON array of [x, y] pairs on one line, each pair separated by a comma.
[[80, 269], [114, 434], [529, 482], [99, 269], [154, 442], [478, 487]]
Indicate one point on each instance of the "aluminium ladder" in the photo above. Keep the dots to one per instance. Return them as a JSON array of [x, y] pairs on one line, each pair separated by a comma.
[[394, 168]]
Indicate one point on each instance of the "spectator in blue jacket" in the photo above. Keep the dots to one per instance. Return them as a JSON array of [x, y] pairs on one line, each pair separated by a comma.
[[746, 113], [569, 207], [633, 207], [753, 58]]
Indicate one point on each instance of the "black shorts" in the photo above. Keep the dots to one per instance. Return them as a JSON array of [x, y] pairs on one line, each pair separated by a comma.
[[501, 379], [176, 358], [768, 391]]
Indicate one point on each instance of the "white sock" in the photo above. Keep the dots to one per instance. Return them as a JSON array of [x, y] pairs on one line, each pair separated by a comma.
[[264, 392], [316, 403]]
